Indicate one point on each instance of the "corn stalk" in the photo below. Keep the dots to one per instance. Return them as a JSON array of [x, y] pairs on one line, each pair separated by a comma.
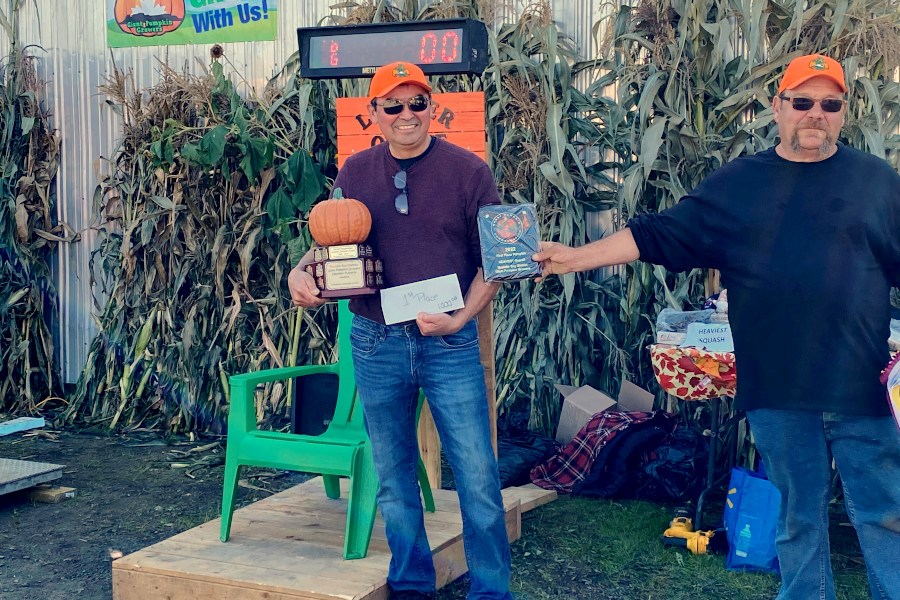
[[201, 218], [29, 160]]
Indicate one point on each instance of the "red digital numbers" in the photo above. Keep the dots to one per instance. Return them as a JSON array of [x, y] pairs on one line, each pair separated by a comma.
[[429, 39], [333, 54], [429, 45], [449, 42]]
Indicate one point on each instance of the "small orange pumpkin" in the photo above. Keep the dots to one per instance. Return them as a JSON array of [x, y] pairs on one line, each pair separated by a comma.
[[339, 221], [172, 10]]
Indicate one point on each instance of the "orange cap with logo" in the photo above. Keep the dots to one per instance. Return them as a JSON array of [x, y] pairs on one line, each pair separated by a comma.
[[396, 74], [804, 68]]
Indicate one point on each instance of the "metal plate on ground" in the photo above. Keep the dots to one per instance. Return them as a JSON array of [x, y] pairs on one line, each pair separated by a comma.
[[16, 475]]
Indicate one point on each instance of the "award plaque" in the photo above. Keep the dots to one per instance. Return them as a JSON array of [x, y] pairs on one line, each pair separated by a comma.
[[343, 265], [346, 270], [509, 237]]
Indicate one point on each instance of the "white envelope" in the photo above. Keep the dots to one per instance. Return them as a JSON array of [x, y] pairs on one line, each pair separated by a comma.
[[403, 302]]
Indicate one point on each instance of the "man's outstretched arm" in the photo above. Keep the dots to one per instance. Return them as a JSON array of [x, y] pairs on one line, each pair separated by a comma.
[[557, 259]]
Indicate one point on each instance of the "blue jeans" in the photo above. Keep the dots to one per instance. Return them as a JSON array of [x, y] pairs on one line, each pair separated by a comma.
[[797, 448], [391, 363]]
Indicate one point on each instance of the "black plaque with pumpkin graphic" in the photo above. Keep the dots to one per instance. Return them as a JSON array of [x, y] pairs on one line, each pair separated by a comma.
[[509, 237]]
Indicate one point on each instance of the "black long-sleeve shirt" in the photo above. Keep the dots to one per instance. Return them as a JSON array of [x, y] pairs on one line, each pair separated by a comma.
[[809, 252]]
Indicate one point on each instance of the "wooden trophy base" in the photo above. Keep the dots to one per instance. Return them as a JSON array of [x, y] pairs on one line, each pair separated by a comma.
[[339, 294], [346, 271]]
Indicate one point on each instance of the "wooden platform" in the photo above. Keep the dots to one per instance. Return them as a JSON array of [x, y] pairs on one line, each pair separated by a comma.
[[17, 475], [289, 547]]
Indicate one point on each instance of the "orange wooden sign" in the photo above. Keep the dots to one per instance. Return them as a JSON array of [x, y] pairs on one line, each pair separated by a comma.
[[458, 118]]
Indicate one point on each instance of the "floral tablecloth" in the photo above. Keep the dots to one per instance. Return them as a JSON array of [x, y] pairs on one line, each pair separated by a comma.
[[694, 373]]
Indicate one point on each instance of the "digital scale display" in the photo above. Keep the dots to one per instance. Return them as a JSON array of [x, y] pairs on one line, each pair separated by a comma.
[[438, 47]]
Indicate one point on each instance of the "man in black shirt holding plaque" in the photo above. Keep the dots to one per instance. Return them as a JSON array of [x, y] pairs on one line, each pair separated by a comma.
[[807, 237]]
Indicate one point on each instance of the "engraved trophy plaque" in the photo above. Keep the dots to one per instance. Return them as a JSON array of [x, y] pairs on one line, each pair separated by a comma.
[[343, 266], [346, 270], [509, 237]]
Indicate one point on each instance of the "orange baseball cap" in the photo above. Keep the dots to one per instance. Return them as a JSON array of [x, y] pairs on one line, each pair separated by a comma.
[[396, 74], [806, 67]]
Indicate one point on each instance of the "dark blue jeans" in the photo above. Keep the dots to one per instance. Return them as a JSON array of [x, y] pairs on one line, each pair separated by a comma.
[[391, 363], [797, 448]]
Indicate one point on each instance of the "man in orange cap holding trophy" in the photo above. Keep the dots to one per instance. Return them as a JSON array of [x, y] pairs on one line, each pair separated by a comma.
[[423, 194], [807, 238]]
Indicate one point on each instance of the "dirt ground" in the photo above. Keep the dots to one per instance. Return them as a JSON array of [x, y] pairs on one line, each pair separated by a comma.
[[132, 491], [137, 489]]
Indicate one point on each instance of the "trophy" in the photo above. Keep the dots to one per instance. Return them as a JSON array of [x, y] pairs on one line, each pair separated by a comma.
[[343, 266], [509, 236]]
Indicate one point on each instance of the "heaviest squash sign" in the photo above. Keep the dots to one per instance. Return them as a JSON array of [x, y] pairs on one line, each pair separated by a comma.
[[458, 118]]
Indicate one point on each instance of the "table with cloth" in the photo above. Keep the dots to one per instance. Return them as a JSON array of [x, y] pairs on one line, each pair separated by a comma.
[[692, 374]]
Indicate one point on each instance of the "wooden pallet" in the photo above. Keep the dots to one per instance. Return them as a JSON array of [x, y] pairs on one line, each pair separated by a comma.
[[17, 475], [289, 547]]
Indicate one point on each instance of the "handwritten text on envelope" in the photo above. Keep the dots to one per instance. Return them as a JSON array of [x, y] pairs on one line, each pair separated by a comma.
[[436, 295]]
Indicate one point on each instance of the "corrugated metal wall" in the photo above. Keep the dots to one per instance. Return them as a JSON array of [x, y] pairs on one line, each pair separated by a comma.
[[75, 60]]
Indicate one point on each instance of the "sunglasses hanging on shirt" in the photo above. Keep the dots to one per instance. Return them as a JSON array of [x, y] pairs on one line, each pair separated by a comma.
[[401, 202]]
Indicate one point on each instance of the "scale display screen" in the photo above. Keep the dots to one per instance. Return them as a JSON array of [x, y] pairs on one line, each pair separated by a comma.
[[438, 47]]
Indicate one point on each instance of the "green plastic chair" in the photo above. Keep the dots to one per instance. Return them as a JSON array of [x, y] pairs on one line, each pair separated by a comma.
[[343, 450]]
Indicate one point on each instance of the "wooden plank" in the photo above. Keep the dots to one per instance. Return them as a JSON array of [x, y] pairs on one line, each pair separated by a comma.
[[162, 577], [530, 496], [20, 424], [360, 124], [455, 102], [51, 494], [285, 562], [485, 320], [17, 475], [290, 549], [430, 447]]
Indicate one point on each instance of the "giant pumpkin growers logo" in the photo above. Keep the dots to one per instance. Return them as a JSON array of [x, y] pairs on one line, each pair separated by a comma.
[[818, 64], [147, 18]]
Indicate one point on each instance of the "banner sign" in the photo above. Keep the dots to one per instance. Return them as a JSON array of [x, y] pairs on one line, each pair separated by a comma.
[[168, 22]]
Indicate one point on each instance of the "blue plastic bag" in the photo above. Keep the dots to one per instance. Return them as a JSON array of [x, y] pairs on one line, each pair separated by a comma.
[[751, 517]]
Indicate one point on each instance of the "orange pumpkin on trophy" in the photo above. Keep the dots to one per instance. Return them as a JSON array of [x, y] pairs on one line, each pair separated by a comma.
[[343, 265], [147, 18]]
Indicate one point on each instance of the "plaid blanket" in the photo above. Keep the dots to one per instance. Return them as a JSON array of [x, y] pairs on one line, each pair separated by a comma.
[[569, 466]]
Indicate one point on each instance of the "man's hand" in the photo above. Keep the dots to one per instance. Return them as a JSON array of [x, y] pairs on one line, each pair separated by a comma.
[[555, 259], [438, 323], [559, 259], [303, 289]]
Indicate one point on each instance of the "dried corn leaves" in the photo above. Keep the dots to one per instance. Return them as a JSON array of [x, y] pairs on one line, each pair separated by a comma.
[[198, 217], [29, 159]]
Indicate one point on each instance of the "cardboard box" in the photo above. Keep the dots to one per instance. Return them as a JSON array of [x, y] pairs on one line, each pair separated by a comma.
[[580, 404]]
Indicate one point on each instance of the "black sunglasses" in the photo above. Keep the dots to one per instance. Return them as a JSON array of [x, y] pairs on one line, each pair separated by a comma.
[[800, 103], [392, 106], [401, 202]]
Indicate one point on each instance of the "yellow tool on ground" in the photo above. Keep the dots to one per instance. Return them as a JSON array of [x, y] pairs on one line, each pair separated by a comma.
[[681, 534], [680, 527]]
